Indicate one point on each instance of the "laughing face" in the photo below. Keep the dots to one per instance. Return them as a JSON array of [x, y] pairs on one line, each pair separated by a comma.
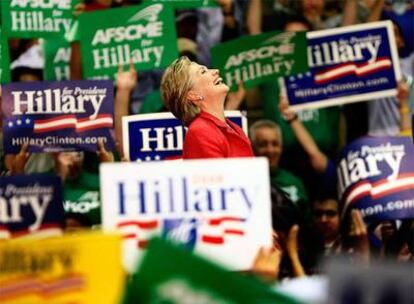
[[207, 83]]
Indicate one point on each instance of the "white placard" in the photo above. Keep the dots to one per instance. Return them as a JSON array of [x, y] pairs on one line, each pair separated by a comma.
[[220, 208]]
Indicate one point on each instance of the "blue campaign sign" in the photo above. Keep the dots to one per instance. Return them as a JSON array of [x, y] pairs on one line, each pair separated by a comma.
[[30, 204], [160, 136], [376, 176], [348, 64], [57, 115]]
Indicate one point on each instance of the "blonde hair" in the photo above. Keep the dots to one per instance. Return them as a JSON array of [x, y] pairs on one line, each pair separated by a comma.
[[175, 84]]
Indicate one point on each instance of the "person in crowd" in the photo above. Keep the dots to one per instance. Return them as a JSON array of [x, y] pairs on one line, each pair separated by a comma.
[[266, 138], [196, 95]]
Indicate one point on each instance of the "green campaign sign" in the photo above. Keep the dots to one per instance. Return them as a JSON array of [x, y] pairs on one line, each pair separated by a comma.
[[186, 3], [143, 35], [4, 59], [260, 58], [37, 18], [57, 59], [170, 274]]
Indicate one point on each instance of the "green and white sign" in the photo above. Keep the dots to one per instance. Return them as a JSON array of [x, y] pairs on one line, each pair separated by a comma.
[[4, 59], [186, 3], [37, 18], [144, 35], [260, 58], [169, 274], [57, 59]]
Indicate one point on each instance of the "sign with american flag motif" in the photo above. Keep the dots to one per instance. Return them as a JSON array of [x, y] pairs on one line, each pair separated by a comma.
[[218, 208], [347, 64], [31, 205], [160, 136], [57, 116], [376, 176]]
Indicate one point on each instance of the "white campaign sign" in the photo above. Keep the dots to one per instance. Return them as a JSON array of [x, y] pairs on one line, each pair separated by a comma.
[[219, 208]]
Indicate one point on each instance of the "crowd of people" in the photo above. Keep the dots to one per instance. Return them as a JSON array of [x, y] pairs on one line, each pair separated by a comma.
[[301, 147]]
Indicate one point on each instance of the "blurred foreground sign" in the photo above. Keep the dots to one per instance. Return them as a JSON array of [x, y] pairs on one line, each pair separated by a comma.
[[169, 274], [376, 176], [85, 268], [218, 208]]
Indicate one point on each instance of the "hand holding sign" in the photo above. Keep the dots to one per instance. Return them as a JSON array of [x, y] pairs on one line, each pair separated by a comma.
[[234, 99], [359, 235], [126, 80], [20, 160]]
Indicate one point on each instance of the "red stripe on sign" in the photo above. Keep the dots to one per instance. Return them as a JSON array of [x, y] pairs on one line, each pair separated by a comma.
[[141, 224], [212, 239], [54, 119], [234, 231], [129, 236], [218, 221]]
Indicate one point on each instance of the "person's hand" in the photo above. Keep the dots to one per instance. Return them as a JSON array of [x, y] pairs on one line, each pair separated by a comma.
[[20, 160], [68, 164], [226, 5], [104, 155], [293, 252], [359, 235], [267, 263], [286, 112], [234, 99], [79, 9], [403, 93], [126, 80]]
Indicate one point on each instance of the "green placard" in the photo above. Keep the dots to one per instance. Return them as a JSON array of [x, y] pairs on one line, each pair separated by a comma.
[[170, 274], [37, 18], [260, 58], [181, 4], [57, 59], [4, 59], [144, 35]]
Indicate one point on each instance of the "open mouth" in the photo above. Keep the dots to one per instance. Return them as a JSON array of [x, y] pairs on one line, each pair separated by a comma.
[[218, 81]]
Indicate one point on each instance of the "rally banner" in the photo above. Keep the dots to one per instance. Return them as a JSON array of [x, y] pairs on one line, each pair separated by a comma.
[[169, 274], [57, 59], [182, 4], [143, 35], [346, 64], [210, 206], [160, 136], [4, 58], [81, 268], [37, 18], [376, 176], [260, 58], [57, 116], [32, 205]]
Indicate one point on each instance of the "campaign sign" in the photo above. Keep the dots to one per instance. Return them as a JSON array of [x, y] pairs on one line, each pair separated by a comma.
[[37, 18], [4, 58], [181, 4], [143, 35], [30, 204], [81, 268], [347, 64], [57, 59], [376, 176], [260, 58], [169, 274], [57, 116], [160, 136], [220, 208]]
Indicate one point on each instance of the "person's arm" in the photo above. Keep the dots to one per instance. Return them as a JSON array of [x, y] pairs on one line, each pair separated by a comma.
[[375, 11], [254, 17], [317, 158], [292, 250], [359, 236], [125, 83], [349, 16], [405, 115], [235, 99]]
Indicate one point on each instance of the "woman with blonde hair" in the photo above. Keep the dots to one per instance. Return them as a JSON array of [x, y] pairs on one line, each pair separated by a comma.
[[196, 96]]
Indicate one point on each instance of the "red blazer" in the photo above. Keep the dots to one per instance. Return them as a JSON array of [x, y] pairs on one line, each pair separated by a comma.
[[209, 137]]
